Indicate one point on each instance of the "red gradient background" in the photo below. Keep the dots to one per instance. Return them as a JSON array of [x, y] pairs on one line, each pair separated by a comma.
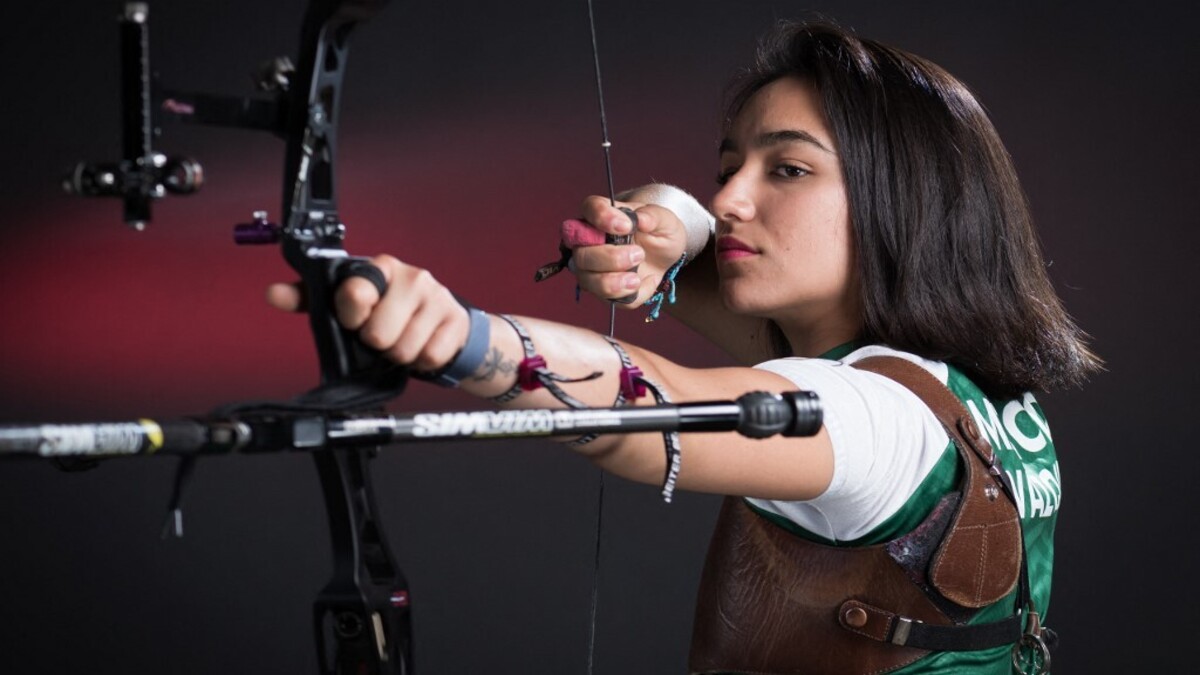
[[171, 320]]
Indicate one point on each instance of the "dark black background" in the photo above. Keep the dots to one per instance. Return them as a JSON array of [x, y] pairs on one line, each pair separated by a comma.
[[469, 131]]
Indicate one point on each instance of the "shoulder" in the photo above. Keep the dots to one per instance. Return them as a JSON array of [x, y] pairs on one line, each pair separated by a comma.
[[885, 441], [853, 395], [805, 368]]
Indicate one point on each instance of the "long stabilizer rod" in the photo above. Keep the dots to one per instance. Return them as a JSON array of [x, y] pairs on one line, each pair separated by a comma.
[[756, 415]]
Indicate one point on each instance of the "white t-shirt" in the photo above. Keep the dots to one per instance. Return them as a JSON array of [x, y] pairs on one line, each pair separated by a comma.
[[885, 442]]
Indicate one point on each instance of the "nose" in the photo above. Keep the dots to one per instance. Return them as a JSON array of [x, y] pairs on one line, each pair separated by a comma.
[[734, 201]]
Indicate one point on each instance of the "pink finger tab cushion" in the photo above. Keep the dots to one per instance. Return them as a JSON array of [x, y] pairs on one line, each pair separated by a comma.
[[576, 233]]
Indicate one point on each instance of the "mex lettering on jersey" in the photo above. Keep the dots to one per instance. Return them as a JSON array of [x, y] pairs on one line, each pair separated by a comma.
[[1019, 433]]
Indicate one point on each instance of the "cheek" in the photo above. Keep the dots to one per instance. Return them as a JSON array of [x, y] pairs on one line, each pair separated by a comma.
[[823, 241]]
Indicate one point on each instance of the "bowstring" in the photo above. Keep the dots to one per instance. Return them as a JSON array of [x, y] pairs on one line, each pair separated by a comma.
[[612, 323], [604, 143]]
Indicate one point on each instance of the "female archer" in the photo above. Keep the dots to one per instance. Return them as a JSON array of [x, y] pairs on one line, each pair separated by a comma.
[[869, 242]]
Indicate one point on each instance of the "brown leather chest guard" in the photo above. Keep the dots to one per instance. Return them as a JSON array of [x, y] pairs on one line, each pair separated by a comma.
[[771, 602]]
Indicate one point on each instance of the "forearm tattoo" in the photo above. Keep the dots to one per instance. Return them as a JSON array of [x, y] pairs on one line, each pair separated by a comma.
[[494, 363]]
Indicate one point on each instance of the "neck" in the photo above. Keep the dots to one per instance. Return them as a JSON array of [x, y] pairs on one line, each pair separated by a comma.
[[813, 344], [813, 337]]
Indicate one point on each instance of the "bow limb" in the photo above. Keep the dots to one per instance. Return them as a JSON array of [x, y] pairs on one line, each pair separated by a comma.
[[363, 613]]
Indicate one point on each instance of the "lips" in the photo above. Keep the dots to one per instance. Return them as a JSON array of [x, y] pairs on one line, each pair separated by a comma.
[[732, 248]]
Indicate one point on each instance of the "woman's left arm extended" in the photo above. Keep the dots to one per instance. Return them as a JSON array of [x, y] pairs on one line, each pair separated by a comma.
[[418, 322]]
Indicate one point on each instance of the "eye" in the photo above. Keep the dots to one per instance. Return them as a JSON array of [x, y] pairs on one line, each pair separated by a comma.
[[790, 171]]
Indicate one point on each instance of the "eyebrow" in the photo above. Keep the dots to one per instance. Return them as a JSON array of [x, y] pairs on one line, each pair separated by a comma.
[[770, 138]]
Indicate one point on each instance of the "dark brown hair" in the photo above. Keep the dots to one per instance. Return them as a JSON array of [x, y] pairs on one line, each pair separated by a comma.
[[949, 264]]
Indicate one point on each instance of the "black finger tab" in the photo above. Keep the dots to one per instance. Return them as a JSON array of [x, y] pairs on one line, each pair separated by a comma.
[[625, 239], [365, 270]]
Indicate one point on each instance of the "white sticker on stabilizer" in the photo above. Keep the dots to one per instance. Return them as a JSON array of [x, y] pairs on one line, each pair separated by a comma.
[[91, 439]]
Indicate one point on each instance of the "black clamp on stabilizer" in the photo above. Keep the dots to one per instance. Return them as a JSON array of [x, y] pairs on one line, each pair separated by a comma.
[[793, 413]]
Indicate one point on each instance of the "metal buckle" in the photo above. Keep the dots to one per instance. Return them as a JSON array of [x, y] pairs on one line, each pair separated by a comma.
[[903, 628], [1031, 656]]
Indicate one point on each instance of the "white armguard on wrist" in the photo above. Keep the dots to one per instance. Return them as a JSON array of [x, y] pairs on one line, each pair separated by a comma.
[[699, 224]]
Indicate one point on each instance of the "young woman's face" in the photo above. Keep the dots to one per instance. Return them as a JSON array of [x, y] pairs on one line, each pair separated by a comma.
[[784, 245]]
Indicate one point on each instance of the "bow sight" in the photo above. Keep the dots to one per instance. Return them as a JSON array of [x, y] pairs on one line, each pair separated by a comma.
[[142, 174], [362, 615]]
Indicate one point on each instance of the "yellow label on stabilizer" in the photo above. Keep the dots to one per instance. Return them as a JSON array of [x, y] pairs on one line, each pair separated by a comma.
[[154, 434]]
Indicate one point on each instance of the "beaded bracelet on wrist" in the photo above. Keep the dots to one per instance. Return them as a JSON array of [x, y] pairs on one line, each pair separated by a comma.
[[665, 291]]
